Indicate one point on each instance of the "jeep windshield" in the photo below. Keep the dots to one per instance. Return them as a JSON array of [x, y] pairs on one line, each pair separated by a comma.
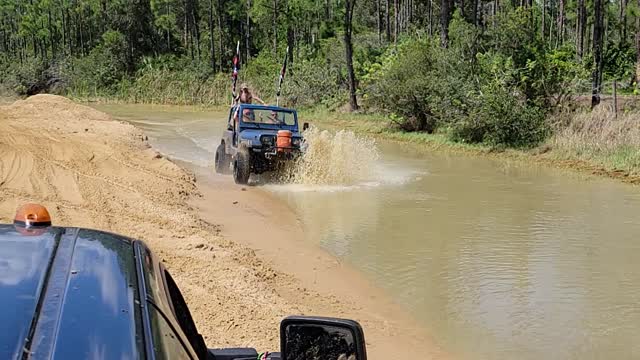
[[268, 116]]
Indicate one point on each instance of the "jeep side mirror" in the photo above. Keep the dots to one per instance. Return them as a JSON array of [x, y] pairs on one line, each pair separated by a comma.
[[305, 126], [315, 338]]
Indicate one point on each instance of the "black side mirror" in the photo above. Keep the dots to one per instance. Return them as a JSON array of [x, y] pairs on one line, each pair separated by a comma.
[[305, 126], [317, 338]]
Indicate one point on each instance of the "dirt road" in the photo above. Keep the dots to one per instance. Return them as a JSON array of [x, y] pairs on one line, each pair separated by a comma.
[[91, 171]]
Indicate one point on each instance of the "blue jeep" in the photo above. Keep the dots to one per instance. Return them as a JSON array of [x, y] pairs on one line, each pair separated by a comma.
[[258, 139], [71, 293]]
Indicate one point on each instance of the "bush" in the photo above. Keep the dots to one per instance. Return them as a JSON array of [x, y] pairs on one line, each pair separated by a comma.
[[502, 119], [405, 84], [30, 77], [424, 86]]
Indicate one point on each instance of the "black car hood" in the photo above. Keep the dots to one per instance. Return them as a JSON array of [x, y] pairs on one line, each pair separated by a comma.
[[23, 266], [68, 294]]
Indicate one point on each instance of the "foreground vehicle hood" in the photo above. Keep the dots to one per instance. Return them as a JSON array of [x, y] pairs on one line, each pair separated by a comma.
[[23, 266], [65, 292]]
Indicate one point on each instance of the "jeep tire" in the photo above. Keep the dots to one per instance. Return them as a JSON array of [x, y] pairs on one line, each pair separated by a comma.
[[222, 160], [242, 166]]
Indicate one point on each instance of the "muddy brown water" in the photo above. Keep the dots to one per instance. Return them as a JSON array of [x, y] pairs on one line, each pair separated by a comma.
[[497, 260]]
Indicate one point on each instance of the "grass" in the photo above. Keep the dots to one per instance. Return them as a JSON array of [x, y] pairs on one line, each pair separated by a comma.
[[601, 139]]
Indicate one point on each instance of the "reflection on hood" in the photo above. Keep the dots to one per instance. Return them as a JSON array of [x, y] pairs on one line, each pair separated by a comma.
[[20, 258]]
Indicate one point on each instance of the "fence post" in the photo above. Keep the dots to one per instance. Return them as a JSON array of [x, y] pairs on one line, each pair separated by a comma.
[[615, 98]]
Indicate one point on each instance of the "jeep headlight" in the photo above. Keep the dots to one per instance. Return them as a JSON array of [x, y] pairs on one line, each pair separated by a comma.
[[267, 140], [296, 142]]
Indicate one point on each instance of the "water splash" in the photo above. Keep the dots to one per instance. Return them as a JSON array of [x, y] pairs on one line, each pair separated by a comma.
[[335, 159]]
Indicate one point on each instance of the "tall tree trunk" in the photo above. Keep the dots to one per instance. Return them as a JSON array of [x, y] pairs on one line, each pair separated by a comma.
[[411, 9], [445, 18], [64, 35], [67, 29], [396, 17], [195, 18], [623, 20], [275, 26], [187, 29], [582, 28], [104, 15], [598, 27], [551, 22], [379, 20], [409, 14], [90, 31], [561, 22], [430, 16], [348, 29], [212, 49], [167, 12], [388, 21], [291, 43], [404, 15], [543, 12], [475, 13], [81, 36], [51, 35], [247, 30], [220, 12]]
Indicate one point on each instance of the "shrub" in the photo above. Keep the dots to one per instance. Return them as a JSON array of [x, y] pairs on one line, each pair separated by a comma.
[[405, 84], [27, 78], [502, 121]]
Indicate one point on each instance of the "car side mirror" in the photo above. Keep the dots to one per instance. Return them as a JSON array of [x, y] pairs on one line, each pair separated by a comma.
[[305, 126], [315, 338]]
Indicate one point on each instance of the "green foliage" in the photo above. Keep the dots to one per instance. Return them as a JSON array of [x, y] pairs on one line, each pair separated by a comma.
[[24, 79], [502, 119], [619, 61], [548, 77], [313, 83], [498, 97], [103, 68], [405, 85]]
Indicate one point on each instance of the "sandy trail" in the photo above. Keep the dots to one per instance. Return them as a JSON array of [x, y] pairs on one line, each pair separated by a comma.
[[91, 171]]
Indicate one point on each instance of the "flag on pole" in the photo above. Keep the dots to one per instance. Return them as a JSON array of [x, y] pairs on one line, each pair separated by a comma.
[[234, 75], [283, 72]]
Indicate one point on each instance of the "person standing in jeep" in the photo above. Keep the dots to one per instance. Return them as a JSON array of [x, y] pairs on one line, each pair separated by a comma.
[[245, 97]]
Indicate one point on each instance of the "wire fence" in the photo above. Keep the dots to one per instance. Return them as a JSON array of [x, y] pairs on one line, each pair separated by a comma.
[[617, 96]]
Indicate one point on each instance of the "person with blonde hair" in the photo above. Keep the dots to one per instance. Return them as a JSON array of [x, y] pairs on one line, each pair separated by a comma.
[[245, 97]]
